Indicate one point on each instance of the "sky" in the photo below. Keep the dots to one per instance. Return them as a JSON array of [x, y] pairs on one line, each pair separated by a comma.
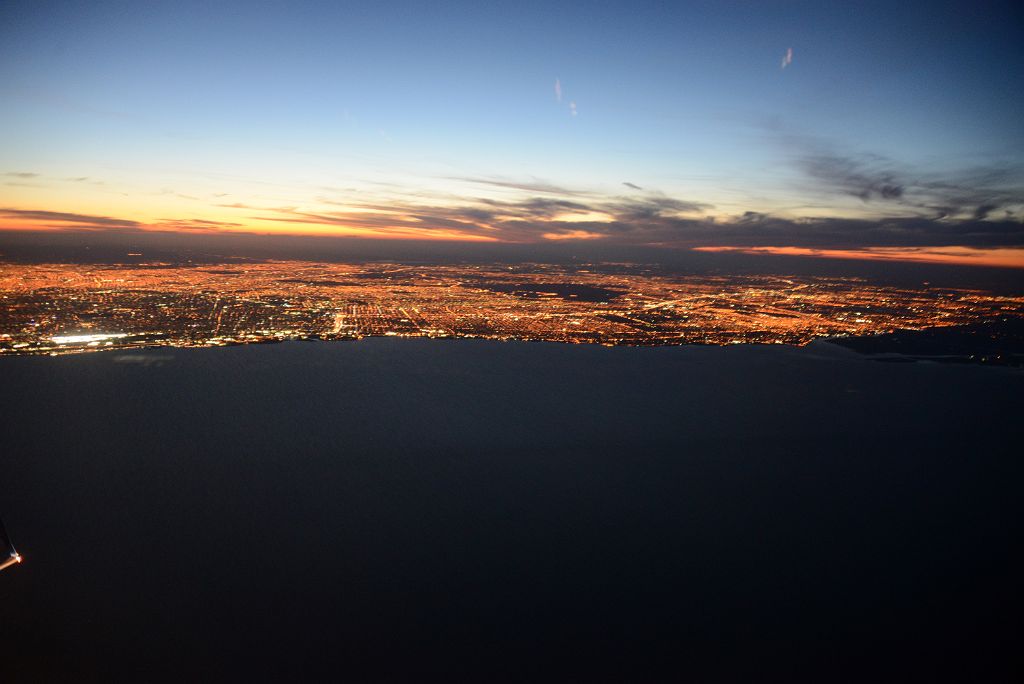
[[858, 128]]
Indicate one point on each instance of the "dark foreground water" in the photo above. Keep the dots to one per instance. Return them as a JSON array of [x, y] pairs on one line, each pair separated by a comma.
[[488, 511]]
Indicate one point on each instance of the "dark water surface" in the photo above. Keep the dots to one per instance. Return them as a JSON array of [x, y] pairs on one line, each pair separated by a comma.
[[488, 511]]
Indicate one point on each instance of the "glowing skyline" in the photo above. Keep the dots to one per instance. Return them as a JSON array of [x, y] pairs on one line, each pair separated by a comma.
[[803, 126]]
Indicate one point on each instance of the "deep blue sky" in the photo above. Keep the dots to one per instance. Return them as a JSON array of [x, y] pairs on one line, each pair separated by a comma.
[[909, 109]]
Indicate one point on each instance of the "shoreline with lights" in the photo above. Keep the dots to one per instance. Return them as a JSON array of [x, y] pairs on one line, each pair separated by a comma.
[[74, 308]]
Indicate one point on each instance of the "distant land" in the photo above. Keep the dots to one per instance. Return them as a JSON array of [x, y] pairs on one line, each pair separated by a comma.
[[59, 308], [995, 342]]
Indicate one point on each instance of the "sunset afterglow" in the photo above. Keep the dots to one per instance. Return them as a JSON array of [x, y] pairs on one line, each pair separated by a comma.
[[721, 130], [1009, 257]]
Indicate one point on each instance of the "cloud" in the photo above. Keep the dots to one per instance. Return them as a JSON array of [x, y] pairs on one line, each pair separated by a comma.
[[415, 223], [559, 95], [654, 220], [978, 192], [752, 217], [194, 225], [761, 229], [652, 206], [975, 208], [536, 185], [983, 210], [999, 256], [28, 175], [534, 208], [175, 193], [866, 177], [572, 235], [787, 58], [893, 187], [642, 220], [69, 220], [650, 220]]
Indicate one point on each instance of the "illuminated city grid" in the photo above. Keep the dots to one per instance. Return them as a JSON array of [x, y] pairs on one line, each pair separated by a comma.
[[65, 308]]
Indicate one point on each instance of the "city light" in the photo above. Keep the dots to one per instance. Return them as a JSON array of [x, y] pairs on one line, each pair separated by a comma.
[[65, 308]]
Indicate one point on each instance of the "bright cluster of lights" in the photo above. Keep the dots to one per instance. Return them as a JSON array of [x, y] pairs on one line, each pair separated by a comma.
[[85, 339]]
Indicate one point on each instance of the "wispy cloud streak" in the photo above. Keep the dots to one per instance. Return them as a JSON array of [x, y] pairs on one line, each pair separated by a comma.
[[534, 185], [63, 219], [891, 187]]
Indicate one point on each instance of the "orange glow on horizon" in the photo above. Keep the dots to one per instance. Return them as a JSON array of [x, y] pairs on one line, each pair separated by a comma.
[[307, 230], [573, 235], [1007, 257]]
